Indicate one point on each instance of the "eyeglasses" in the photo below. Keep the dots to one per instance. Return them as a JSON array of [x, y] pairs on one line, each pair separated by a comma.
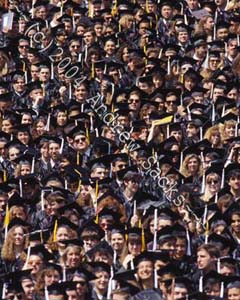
[[80, 140], [75, 46], [212, 181], [18, 296], [171, 101], [133, 100], [24, 46], [82, 283]]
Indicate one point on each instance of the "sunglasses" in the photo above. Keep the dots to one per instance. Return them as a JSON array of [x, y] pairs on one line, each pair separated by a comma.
[[23, 46], [212, 181], [80, 140], [18, 296], [82, 283]]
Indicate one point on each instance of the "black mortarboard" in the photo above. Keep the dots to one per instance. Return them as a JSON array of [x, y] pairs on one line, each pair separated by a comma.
[[144, 256], [41, 251], [91, 226], [98, 266], [74, 242], [59, 29], [17, 222]]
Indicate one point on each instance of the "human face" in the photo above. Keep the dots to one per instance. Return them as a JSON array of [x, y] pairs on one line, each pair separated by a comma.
[[145, 270], [119, 165], [23, 137], [125, 55], [117, 242], [215, 138], [28, 288], [13, 153], [25, 169], [233, 294], [7, 126], [98, 28], [222, 33], [35, 262], [181, 248], [213, 184], [235, 223], [99, 173], [81, 285], [134, 247], [177, 134], [54, 150], [51, 277], [34, 72], [209, 23], [89, 243], [81, 93], [230, 130], [110, 48], [23, 48], [44, 74], [169, 246], [44, 151], [179, 292], [233, 94], [18, 236], [101, 283], [72, 295], [166, 12], [232, 48], [191, 130], [41, 13], [26, 119], [62, 234], [88, 38], [189, 84], [193, 165], [80, 142], [213, 63], [201, 51], [217, 92], [106, 223], [143, 28], [171, 104], [132, 185], [134, 102], [19, 85], [61, 118], [183, 37], [73, 257], [110, 134], [40, 127], [203, 259]]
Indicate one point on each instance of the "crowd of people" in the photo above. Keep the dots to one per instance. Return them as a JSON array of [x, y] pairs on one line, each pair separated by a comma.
[[120, 149]]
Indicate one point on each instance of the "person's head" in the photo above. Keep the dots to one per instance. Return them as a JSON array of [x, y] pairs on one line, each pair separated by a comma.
[[144, 267], [181, 247], [55, 201], [98, 171], [134, 243], [131, 181], [171, 102], [13, 152], [81, 92], [54, 150], [102, 273], [233, 291], [235, 221], [44, 73], [191, 165], [213, 135], [166, 11], [117, 240], [206, 254], [72, 256], [23, 47], [90, 237], [213, 181]]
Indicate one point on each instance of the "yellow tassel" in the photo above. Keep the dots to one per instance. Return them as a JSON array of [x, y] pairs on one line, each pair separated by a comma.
[[114, 9], [147, 8], [4, 176], [24, 67], [143, 241], [79, 186], [97, 219], [87, 135], [181, 78], [92, 71], [97, 189], [78, 158], [6, 219], [112, 109], [41, 236], [144, 49], [126, 235], [55, 231], [119, 28], [89, 9], [153, 152]]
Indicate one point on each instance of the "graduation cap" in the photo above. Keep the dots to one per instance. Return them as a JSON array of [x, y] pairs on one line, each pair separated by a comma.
[[56, 289], [91, 228], [64, 222], [193, 74], [99, 266], [58, 30], [18, 222], [73, 207], [144, 256], [6, 97], [73, 242], [41, 251], [103, 246], [165, 234], [169, 271], [39, 236], [199, 40]]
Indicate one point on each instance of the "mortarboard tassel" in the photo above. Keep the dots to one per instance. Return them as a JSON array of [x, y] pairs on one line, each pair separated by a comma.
[[42, 200], [64, 274], [205, 214], [134, 207], [216, 198], [33, 165], [46, 293], [206, 232], [147, 7], [92, 71], [20, 187], [4, 291], [223, 178], [97, 219], [52, 71], [55, 231], [97, 133], [218, 265], [114, 257], [238, 40], [114, 9], [206, 61], [4, 175], [168, 66], [126, 235], [132, 264], [44, 89], [41, 236], [203, 183], [61, 8], [185, 19], [215, 25], [201, 284], [143, 240], [6, 219], [189, 252], [160, 53], [78, 158], [79, 186], [236, 127], [28, 254], [87, 135], [97, 189], [155, 278], [222, 290], [155, 230], [65, 184]]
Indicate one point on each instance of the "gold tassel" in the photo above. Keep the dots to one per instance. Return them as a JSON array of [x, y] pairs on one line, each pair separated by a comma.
[[6, 219], [55, 231], [4, 175], [114, 9], [41, 237], [97, 219], [126, 235], [78, 158], [97, 189], [207, 229], [143, 241], [87, 135], [147, 8], [24, 67], [79, 186], [92, 71]]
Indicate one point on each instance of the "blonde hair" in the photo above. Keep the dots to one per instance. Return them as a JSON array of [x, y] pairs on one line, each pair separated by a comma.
[[79, 249], [224, 126], [124, 20], [9, 250], [184, 170], [207, 194], [210, 131]]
